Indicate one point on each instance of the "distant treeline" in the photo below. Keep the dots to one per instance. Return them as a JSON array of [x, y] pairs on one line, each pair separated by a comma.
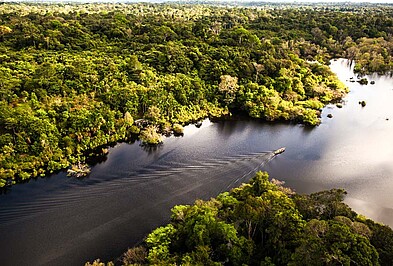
[[264, 223], [75, 77]]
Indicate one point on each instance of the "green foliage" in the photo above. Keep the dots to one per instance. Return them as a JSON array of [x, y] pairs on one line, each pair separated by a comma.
[[323, 205], [258, 224], [75, 77], [372, 55], [99, 263], [331, 243], [158, 242], [178, 129], [150, 136], [382, 240]]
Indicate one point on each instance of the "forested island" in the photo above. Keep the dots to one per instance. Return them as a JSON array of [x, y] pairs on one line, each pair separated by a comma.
[[74, 78], [265, 223]]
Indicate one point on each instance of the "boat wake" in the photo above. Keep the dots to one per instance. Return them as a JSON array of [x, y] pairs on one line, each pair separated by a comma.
[[186, 175]]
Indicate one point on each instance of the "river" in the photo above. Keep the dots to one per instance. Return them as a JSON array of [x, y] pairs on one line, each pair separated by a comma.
[[65, 221]]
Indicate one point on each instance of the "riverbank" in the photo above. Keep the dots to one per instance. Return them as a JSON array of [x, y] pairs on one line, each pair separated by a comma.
[[75, 77], [138, 187], [264, 221], [110, 74]]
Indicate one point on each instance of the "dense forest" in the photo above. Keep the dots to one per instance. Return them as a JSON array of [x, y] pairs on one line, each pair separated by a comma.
[[74, 78], [265, 223]]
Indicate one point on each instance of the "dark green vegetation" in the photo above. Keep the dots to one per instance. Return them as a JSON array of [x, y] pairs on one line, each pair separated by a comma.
[[73, 78], [264, 223]]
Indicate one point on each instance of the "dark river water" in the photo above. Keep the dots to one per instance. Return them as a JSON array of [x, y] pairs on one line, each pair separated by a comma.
[[65, 221]]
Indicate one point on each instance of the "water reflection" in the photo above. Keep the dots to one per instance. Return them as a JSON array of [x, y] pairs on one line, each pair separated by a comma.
[[65, 221]]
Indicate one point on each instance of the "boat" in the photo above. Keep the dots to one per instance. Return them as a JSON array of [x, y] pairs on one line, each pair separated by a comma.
[[279, 151], [79, 170]]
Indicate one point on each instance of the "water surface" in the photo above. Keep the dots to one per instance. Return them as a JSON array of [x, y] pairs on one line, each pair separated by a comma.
[[66, 221]]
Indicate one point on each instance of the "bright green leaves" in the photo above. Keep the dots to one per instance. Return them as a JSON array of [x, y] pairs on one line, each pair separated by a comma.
[[292, 91], [202, 232], [252, 222], [158, 242], [259, 224], [41, 137], [372, 55]]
